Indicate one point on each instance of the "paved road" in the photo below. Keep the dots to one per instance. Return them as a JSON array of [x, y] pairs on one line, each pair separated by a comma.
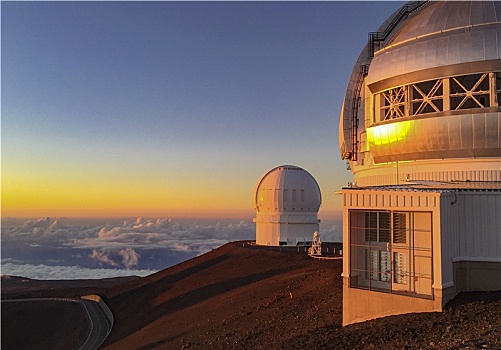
[[99, 324]]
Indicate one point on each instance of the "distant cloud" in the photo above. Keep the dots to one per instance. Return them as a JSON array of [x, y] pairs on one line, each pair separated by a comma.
[[179, 247], [10, 260], [333, 233], [130, 257], [102, 257], [30, 226], [45, 272], [122, 244], [115, 231], [188, 236]]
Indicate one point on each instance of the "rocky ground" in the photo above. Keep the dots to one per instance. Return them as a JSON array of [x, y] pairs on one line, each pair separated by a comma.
[[239, 297]]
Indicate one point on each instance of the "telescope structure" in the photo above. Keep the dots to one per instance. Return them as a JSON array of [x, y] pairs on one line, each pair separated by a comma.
[[420, 129]]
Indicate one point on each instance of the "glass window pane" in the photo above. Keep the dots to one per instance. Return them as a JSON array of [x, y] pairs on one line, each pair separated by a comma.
[[399, 227]]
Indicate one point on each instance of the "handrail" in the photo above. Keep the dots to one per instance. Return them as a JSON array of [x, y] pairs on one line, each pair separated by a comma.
[[355, 103], [381, 36]]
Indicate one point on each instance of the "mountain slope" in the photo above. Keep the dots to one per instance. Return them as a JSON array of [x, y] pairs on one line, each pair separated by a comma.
[[231, 296], [244, 297]]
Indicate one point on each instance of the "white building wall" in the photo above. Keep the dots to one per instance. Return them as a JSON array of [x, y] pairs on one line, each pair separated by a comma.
[[481, 169], [472, 225], [471, 231], [450, 237], [267, 233], [297, 233], [289, 228]]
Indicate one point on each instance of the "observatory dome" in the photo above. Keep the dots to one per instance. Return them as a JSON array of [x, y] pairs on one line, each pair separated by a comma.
[[425, 93], [441, 34], [287, 188], [420, 128], [286, 199]]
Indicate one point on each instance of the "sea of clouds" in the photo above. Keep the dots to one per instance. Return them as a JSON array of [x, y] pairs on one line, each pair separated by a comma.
[[68, 249]]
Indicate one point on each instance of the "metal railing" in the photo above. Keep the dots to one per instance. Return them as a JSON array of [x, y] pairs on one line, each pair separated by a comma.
[[381, 36]]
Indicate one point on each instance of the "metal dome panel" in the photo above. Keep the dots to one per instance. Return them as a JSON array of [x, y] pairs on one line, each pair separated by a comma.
[[287, 189], [440, 35], [440, 17], [465, 135]]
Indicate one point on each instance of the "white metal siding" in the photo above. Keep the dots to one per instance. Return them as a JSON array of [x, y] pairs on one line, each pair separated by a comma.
[[471, 228]]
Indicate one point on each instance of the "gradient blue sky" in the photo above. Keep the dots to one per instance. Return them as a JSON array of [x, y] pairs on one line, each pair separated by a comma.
[[172, 108]]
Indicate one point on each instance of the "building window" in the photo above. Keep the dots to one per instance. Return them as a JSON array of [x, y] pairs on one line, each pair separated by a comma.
[[399, 228], [378, 265], [498, 88], [377, 226], [393, 103], [434, 96], [391, 252], [426, 97], [400, 268], [469, 91]]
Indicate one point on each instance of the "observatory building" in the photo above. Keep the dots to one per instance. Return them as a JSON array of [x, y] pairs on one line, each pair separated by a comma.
[[286, 199], [420, 129]]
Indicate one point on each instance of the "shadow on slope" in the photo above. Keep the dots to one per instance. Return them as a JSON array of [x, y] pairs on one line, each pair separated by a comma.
[[141, 302]]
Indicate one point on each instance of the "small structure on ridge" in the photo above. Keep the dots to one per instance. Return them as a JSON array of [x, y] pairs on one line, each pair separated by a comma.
[[316, 245]]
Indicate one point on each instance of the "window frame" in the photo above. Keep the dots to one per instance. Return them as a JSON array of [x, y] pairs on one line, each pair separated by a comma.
[[366, 252]]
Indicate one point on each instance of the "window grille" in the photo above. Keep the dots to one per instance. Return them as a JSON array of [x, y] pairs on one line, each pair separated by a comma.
[[427, 97], [399, 225], [393, 103], [438, 95], [402, 264], [384, 226], [469, 91]]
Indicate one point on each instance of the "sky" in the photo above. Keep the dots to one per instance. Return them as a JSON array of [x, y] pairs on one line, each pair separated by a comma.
[[172, 109], [133, 134]]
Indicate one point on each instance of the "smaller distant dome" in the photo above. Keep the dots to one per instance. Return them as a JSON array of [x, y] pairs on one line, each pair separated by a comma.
[[287, 188]]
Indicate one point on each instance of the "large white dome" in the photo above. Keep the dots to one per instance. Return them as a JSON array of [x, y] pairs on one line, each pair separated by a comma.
[[424, 98], [287, 188]]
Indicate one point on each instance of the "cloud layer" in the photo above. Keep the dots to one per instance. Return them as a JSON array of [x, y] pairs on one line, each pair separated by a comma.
[[63, 248], [127, 245], [47, 272]]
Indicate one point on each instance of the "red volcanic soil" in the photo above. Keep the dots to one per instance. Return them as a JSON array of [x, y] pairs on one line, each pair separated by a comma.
[[240, 297], [20, 287], [233, 296]]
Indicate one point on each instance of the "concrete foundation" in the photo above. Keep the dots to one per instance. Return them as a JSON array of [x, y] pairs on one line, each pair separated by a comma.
[[477, 276], [361, 305]]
